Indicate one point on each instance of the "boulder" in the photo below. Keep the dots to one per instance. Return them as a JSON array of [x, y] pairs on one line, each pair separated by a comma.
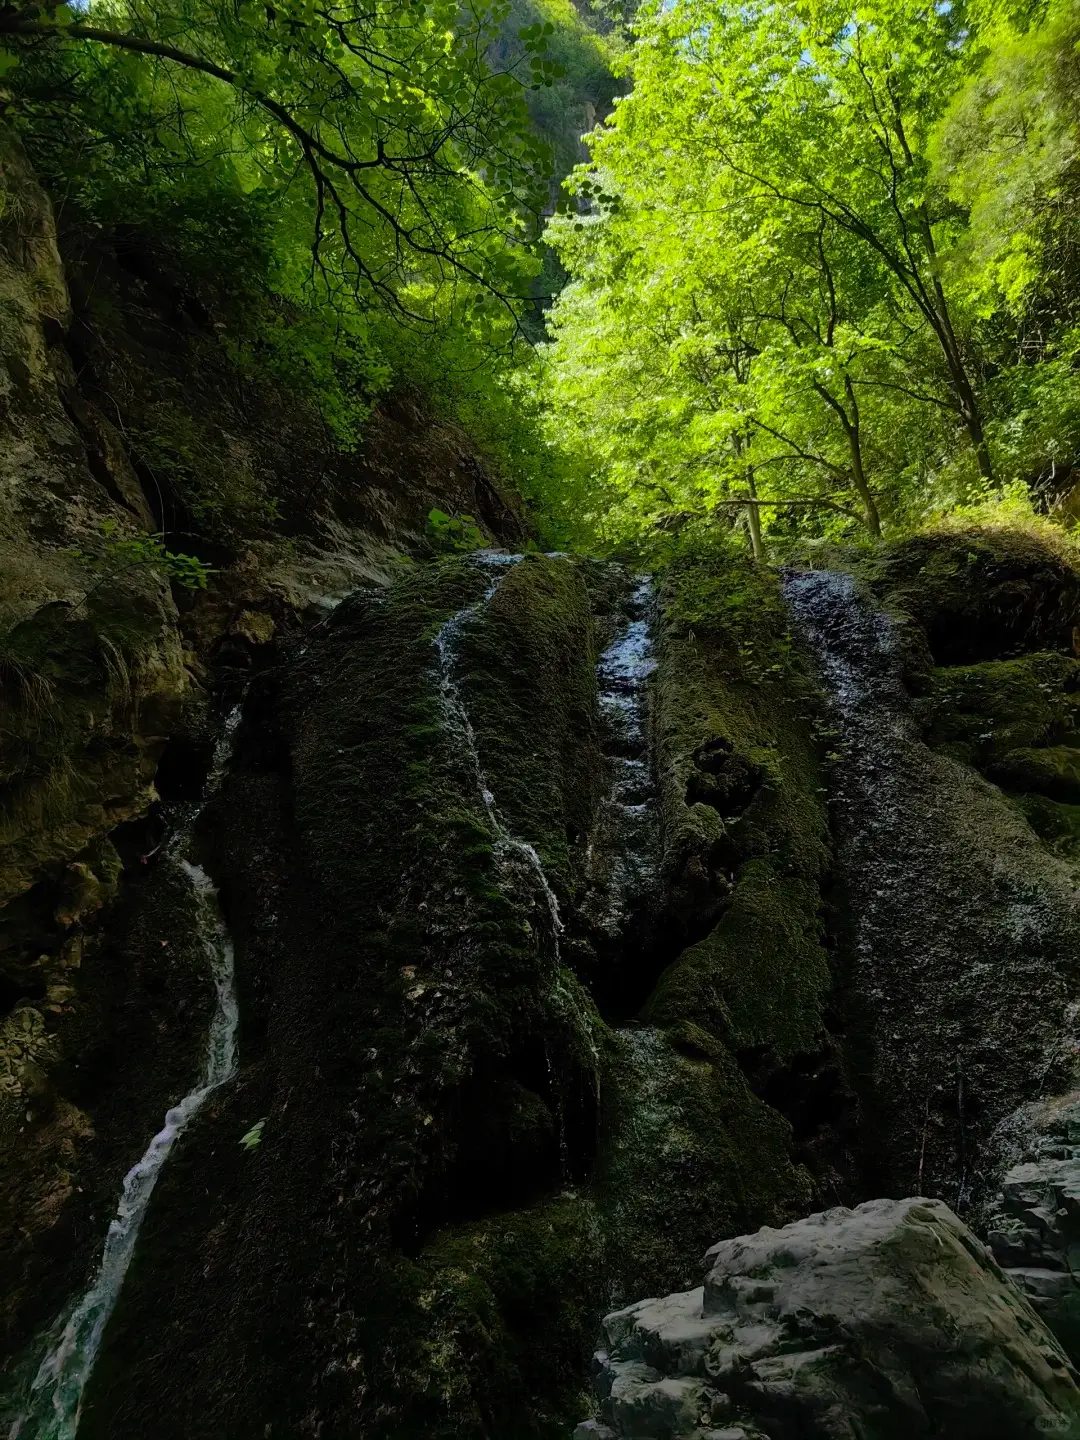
[[889, 1320], [1034, 1229]]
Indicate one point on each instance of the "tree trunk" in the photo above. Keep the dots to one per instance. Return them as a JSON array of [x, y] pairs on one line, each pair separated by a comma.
[[753, 520], [858, 474], [965, 391]]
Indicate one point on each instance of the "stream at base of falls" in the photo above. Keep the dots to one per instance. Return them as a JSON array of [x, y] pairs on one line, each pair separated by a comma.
[[55, 1400], [962, 933]]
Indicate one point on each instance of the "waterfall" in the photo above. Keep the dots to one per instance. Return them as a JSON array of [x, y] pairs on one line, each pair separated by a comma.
[[629, 857], [447, 644], [961, 951], [56, 1394]]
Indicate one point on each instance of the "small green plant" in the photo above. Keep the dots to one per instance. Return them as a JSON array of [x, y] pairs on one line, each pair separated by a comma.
[[454, 534], [253, 1137], [121, 553]]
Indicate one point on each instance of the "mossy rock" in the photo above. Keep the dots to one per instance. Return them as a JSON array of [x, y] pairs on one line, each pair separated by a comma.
[[508, 1311], [746, 829], [429, 1062], [981, 594], [981, 712], [1057, 824], [690, 1155], [1053, 772], [761, 977]]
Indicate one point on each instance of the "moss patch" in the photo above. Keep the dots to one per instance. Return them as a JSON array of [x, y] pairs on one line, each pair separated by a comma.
[[428, 1078], [1056, 824], [508, 1310], [981, 712], [744, 817], [980, 594], [759, 977], [1053, 771], [691, 1155], [530, 688]]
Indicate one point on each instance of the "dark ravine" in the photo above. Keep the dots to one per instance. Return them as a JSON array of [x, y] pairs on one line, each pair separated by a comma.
[[581, 920]]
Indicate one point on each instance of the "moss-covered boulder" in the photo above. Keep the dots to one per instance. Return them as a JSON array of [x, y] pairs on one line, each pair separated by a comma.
[[691, 1142], [981, 593], [1053, 771]]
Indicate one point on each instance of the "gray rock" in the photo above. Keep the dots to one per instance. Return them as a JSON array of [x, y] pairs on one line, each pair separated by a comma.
[[593, 1430], [1034, 1232], [886, 1322]]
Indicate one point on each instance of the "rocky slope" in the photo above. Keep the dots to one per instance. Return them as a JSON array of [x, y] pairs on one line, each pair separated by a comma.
[[887, 1320], [108, 678]]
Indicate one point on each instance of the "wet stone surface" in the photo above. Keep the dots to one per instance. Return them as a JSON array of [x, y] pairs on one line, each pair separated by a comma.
[[961, 944]]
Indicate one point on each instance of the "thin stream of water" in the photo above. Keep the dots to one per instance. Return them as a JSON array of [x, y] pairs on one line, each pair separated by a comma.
[[447, 644], [629, 826], [56, 1394]]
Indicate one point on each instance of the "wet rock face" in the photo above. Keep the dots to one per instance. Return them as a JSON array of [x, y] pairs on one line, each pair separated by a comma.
[[425, 1064], [961, 934], [470, 1142], [887, 1321]]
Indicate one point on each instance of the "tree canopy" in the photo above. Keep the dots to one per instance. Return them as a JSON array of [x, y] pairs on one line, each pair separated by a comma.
[[814, 244], [815, 271]]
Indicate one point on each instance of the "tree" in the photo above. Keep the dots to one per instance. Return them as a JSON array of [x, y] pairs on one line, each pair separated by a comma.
[[416, 158], [764, 304], [1008, 151]]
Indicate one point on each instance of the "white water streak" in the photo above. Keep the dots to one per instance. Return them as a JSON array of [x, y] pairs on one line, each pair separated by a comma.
[[447, 642], [56, 1394], [622, 676]]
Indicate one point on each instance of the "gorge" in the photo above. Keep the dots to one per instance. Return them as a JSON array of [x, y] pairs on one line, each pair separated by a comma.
[[498, 929]]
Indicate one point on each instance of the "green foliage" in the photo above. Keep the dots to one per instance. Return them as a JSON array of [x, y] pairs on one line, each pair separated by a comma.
[[408, 156], [252, 1139], [824, 260], [122, 552], [453, 534], [420, 266]]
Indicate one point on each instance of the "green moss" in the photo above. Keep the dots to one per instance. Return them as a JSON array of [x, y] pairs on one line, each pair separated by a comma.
[[979, 594], [691, 1156], [530, 688], [1053, 772], [484, 1047], [760, 977], [690, 1153], [1058, 825], [508, 1310], [745, 823], [981, 712]]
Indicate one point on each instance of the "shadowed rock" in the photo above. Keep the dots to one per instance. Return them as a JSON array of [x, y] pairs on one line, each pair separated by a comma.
[[885, 1321]]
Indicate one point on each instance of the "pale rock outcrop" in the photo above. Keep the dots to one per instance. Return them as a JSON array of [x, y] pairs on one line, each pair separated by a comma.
[[1034, 1229], [889, 1320]]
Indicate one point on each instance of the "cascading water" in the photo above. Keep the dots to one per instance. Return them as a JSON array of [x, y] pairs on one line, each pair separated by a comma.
[[963, 933], [627, 860], [509, 848], [447, 643], [56, 1394]]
